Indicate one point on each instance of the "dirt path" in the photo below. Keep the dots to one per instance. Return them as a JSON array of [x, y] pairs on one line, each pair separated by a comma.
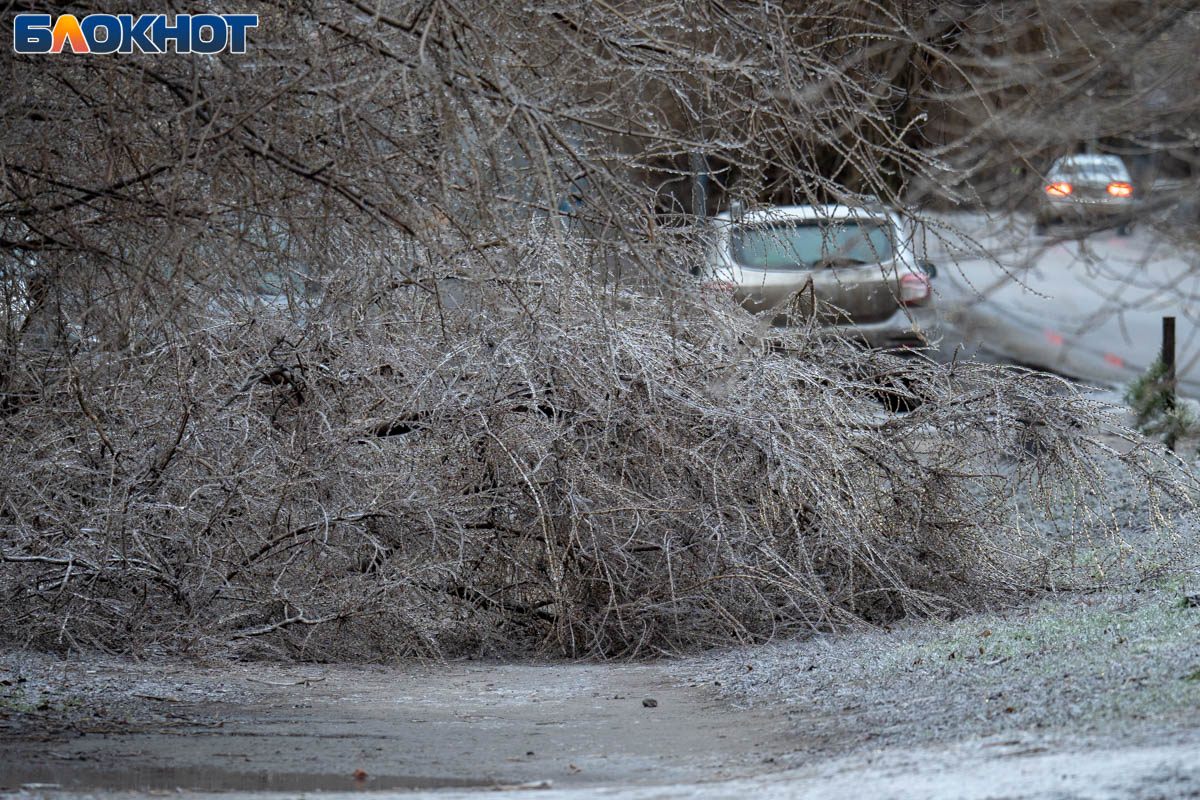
[[313, 727], [112, 730], [1090, 696], [128, 730]]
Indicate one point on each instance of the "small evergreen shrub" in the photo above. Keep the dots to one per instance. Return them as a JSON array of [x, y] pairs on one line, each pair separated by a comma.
[[1156, 413]]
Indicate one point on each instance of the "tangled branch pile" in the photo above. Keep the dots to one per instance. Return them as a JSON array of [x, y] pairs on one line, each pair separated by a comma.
[[378, 339], [526, 464]]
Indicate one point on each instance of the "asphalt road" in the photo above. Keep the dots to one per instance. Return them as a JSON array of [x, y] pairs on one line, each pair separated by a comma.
[[1087, 306]]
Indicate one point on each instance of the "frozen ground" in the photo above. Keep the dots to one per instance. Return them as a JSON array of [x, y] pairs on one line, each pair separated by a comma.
[[1086, 696]]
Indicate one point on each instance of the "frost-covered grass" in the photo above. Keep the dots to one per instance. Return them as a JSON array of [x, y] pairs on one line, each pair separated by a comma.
[[1119, 662], [1121, 658]]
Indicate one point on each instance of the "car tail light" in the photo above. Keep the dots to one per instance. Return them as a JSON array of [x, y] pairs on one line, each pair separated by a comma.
[[914, 289], [1059, 189], [1120, 189]]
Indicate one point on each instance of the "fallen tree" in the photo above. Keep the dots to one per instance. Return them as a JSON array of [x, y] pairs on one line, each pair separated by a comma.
[[544, 467]]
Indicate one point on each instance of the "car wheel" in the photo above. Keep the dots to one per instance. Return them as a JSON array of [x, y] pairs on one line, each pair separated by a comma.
[[1039, 227], [1125, 229]]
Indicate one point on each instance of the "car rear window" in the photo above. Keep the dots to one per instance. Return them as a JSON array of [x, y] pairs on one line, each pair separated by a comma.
[[809, 244], [1091, 169]]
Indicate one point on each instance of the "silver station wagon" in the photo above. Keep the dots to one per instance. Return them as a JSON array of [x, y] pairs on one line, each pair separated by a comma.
[[853, 267]]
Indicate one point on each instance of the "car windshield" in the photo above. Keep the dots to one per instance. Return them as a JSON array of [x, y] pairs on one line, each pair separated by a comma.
[[805, 244]]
